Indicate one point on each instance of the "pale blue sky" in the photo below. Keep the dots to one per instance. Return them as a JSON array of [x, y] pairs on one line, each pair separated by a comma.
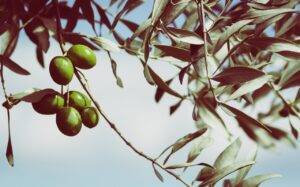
[[97, 157]]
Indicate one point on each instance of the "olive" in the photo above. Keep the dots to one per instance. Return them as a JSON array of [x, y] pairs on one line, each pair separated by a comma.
[[78, 100], [68, 121], [61, 70], [82, 56], [90, 117], [49, 104]]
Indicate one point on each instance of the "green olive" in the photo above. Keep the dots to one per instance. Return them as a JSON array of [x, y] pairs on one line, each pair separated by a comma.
[[90, 117], [49, 104], [61, 70], [78, 100], [68, 121], [82, 56]]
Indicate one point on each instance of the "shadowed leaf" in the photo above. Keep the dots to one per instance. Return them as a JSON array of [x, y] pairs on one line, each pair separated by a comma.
[[10, 64], [237, 75]]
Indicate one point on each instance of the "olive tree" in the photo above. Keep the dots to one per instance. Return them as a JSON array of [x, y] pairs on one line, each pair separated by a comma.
[[229, 55]]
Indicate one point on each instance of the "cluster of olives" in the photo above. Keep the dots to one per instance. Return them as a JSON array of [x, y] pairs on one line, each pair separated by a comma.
[[69, 115]]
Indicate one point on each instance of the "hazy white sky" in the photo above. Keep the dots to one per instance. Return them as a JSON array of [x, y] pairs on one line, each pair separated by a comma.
[[97, 157]]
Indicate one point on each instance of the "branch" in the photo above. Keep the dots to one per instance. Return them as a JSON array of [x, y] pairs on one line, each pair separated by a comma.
[[110, 123], [202, 18]]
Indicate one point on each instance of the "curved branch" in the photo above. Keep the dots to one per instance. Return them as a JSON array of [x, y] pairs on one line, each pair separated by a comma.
[[110, 123]]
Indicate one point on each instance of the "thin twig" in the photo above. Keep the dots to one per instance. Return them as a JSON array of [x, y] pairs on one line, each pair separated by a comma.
[[113, 126], [202, 17]]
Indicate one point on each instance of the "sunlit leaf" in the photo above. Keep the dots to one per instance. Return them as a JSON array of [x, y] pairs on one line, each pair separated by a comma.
[[106, 44], [185, 36], [235, 27], [228, 156], [198, 147], [185, 165], [223, 172], [257, 180]]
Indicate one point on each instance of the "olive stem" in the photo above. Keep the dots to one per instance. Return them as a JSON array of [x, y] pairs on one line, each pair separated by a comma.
[[201, 15]]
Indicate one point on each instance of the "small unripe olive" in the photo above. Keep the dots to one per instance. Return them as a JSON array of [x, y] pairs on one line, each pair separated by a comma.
[[82, 56], [90, 117], [68, 121], [49, 104], [78, 100], [61, 70]]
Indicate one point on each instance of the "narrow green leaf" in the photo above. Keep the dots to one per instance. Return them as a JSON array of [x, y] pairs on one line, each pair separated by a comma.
[[186, 36], [198, 147], [257, 180], [242, 173], [223, 172], [235, 27], [250, 86], [244, 117], [186, 165], [157, 174], [228, 156], [158, 9], [105, 44], [183, 141]]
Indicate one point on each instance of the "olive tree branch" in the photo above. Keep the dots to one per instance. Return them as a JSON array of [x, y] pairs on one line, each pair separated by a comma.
[[110, 123], [114, 128], [200, 10]]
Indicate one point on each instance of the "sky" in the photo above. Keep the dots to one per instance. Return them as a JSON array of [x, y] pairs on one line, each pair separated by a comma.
[[97, 157]]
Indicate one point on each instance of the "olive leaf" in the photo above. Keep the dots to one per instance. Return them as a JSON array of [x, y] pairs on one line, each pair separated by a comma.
[[114, 69], [196, 149], [250, 86], [235, 27], [186, 165], [9, 152], [256, 180], [237, 75], [183, 141], [31, 95], [105, 43], [228, 156], [223, 172], [176, 52], [242, 173], [244, 117], [13, 66], [181, 35]]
